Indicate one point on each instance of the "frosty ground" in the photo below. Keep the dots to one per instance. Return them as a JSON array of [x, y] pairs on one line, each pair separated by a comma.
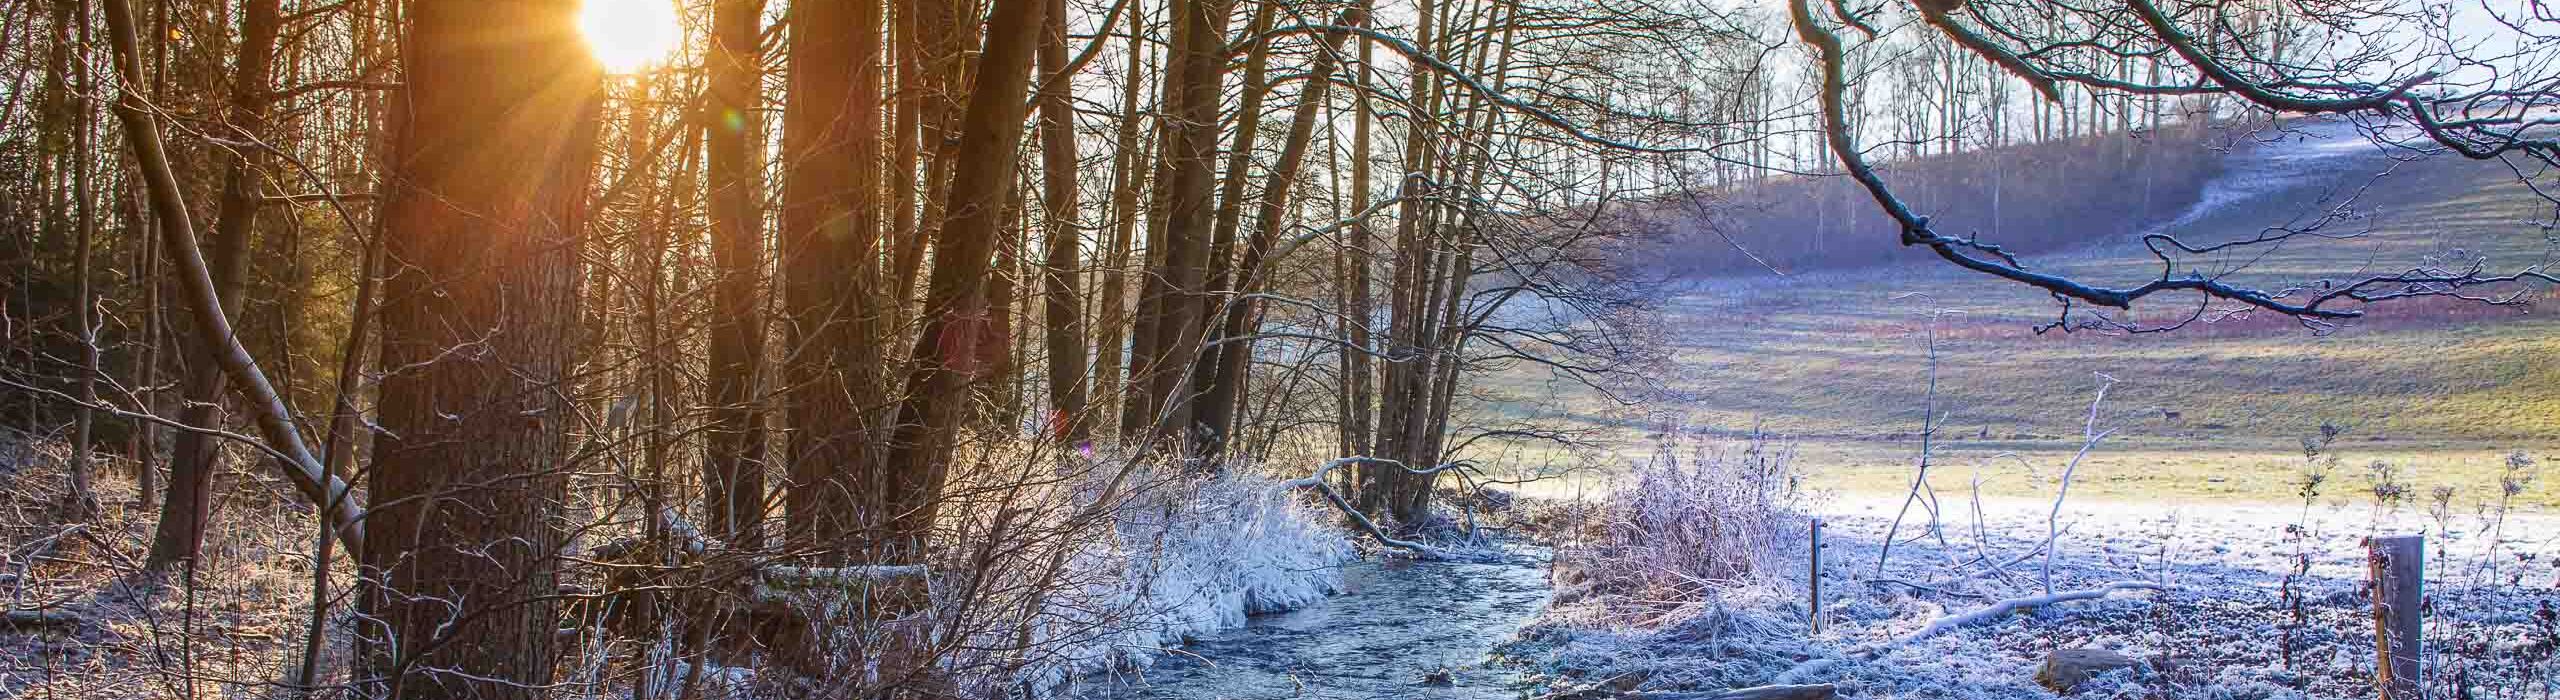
[[2261, 601]]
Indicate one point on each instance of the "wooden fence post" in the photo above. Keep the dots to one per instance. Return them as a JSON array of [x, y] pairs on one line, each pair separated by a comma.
[[2399, 589], [1813, 574]]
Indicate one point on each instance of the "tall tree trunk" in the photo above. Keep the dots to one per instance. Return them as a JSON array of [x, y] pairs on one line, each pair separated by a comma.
[[997, 401], [1127, 162], [188, 507], [956, 308], [1061, 310], [1234, 354], [1358, 375], [1189, 185], [490, 167], [1221, 279], [84, 496], [907, 148], [733, 469], [943, 31], [830, 230], [1399, 392], [146, 439]]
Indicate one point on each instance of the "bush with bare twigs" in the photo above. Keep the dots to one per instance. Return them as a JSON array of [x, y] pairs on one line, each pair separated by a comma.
[[1690, 521]]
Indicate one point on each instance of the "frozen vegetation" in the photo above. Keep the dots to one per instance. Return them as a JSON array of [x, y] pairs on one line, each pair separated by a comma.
[[2205, 600]]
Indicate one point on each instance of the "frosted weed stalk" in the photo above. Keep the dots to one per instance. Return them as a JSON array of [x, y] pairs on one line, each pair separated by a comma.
[[2512, 481], [2317, 463]]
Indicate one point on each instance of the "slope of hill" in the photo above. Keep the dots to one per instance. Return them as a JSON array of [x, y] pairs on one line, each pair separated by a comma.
[[2097, 188], [1840, 357]]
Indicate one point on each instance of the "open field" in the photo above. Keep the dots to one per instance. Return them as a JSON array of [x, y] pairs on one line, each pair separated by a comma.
[[1840, 360], [2141, 470]]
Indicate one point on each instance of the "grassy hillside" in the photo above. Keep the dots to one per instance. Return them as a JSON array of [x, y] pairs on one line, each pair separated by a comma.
[[1839, 358], [2103, 186]]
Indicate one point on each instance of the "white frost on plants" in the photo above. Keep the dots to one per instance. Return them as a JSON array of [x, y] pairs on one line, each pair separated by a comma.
[[1184, 562]]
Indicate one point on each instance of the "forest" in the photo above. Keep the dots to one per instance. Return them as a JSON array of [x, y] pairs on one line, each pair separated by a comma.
[[1272, 348]]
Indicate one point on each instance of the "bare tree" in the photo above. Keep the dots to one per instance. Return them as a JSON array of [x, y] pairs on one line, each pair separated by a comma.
[[188, 507]]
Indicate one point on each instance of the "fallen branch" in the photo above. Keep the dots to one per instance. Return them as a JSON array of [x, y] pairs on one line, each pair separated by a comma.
[[1811, 667], [775, 582], [42, 619], [2005, 607], [785, 576], [1317, 482]]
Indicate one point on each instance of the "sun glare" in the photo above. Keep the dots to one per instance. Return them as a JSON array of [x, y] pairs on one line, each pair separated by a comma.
[[629, 35]]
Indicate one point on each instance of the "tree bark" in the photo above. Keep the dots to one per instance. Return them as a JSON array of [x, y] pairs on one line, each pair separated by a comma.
[[188, 507], [835, 303], [1178, 283], [491, 163], [1062, 309], [1234, 353], [733, 476], [956, 305], [1112, 307]]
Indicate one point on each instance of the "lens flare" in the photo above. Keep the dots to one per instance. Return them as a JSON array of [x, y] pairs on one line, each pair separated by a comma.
[[629, 35]]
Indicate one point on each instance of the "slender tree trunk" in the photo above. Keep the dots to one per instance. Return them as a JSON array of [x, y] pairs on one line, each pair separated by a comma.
[[1190, 183], [1358, 375], [490, 167], [1234, 354], [188, 507], [1222, 280], [1129, 160], [734, 465], [956, 308], [1380, 484], [942, 66], [146, 439], [84, 496], [996, 406], [1062, 310], [338, 450], [905, 145]]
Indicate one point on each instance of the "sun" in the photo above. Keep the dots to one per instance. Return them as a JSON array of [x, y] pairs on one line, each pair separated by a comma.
[[629, 35]]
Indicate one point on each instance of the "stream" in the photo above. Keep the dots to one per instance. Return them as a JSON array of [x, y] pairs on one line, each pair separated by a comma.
[[1386, 636]]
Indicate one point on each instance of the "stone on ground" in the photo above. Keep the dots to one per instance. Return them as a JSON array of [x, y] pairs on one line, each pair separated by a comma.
[[2065, 669]]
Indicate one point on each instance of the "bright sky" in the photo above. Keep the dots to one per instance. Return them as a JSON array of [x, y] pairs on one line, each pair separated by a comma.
[[630, 35]]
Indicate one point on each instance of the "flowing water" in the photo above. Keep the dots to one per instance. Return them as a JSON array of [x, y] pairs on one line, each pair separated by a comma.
[[1401, 630]]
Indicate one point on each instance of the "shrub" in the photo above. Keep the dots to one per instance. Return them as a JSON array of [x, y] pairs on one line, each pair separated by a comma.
[[1687, 523]]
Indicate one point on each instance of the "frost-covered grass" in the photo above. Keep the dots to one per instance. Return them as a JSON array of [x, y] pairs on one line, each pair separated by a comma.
[[2263, 601]]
